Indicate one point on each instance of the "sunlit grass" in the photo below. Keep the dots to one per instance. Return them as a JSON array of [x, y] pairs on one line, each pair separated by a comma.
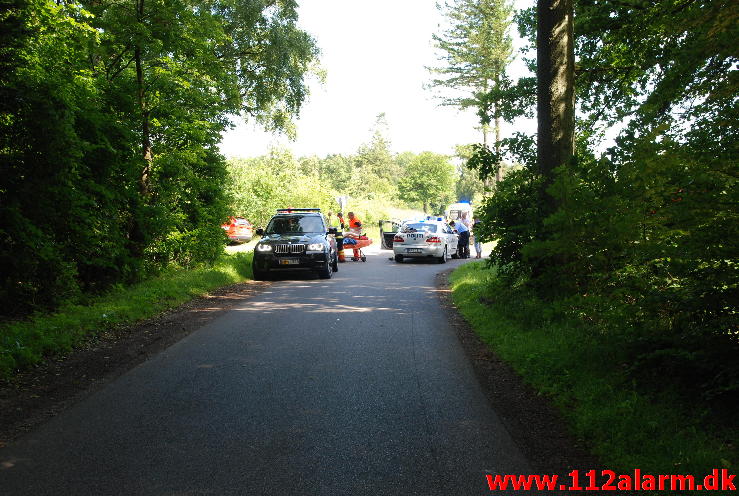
[[26, 342], [584, 374]]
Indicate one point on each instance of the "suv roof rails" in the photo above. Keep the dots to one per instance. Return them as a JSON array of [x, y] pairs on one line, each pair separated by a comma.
[[290, 210]]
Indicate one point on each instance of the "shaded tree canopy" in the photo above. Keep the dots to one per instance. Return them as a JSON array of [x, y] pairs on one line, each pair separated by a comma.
[[640, 238], [110, 117]]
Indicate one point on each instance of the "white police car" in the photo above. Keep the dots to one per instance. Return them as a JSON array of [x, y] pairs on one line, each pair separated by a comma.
[[427, 238]]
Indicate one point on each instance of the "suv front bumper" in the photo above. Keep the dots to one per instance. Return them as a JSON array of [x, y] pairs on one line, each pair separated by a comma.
[[303, 261]]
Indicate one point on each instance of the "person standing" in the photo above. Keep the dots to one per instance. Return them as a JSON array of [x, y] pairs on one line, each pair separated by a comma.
[[463, 244], [468, 224], [478, 244], [338, 223], [465, 220], [333, 221]]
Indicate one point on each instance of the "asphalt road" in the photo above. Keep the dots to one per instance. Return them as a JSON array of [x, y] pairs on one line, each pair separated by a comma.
[[351, 386]]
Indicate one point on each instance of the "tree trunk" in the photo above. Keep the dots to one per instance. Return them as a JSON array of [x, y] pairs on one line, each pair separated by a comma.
[[496, 115], [144, 181], [555, 90], [497, 143]]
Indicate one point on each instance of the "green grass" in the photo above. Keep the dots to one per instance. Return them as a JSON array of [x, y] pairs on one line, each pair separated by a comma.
[[24, 343], [583, 372]]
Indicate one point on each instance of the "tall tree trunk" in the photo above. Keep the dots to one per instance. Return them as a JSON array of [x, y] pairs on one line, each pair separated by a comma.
[[144, 181], [496, 115], [497, 146], [137, 229], [485, 127], [555, 90]]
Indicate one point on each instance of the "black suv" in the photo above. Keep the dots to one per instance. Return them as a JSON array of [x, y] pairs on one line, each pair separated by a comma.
[[296, 239]]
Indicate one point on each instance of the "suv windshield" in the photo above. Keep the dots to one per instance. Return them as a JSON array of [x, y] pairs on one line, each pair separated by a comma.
[[295, 224]]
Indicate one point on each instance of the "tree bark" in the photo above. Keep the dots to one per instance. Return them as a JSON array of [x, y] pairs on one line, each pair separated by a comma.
[[497, 144], [555, 90], [144, 181], [496, 114]]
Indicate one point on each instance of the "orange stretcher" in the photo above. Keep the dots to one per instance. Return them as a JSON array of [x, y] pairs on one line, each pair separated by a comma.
[[357, 242]]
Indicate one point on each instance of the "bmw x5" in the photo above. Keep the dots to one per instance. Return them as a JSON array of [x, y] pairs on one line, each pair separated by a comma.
[[296, 239]]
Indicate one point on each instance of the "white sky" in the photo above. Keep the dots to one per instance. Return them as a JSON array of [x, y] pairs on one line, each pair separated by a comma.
[[374, 54]]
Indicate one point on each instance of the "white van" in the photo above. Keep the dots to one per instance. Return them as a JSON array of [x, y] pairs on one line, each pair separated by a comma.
[[455, 211]]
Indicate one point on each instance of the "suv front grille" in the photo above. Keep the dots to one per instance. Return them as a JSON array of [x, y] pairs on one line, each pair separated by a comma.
[[289, 249]]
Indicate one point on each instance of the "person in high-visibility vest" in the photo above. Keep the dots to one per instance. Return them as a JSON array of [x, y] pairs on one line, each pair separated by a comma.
[[355, 226], [340, 237], [340, 216], [333, 221]]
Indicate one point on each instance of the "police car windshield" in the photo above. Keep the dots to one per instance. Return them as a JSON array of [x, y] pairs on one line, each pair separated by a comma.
[[295, 224], [420, 227]]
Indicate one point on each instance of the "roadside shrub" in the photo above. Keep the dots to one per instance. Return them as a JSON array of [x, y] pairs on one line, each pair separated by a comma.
[[510, 217]]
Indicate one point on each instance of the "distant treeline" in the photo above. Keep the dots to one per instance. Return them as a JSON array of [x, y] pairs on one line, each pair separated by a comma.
[[374, 180]]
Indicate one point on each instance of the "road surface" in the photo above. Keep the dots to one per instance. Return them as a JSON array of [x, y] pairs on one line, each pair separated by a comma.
[[351, 386]]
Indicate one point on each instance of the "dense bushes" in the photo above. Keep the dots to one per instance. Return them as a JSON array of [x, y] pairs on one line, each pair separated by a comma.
[[644, 239], [110, 119], [643, 249], [589, 374]]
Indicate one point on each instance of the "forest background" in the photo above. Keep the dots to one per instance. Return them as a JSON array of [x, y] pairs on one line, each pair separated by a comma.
[[111, 113]]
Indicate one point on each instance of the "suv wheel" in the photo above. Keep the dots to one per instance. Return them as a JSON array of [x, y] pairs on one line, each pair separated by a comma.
[[335, 265], [260, 275], [327, 271]]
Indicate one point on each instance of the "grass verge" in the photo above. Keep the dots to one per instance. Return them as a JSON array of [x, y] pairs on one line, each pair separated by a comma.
[[583, 372], [24, 343]]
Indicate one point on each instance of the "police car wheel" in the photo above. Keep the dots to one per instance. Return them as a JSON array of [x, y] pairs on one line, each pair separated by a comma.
[[442, 259]]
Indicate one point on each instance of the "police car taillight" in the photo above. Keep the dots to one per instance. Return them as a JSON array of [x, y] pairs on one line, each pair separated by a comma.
[[398, 239], [434, 239]]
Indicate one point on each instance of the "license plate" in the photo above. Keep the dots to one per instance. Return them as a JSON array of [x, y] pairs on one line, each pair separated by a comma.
[[413, 250], [289, 261]]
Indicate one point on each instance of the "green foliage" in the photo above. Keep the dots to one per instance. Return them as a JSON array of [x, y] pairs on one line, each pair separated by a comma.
[[588, 375], [259, 186], [375, 172], [468, 184], [110, 117], [642, 246], [428, 180], [511, 218], [25, 343], [375, 181], [474, 51]]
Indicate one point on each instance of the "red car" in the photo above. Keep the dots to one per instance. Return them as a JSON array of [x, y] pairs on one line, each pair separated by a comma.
[[238, 229]]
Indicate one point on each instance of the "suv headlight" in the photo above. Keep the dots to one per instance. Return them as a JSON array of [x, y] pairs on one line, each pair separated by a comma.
[[264, 247], [316, 247]]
